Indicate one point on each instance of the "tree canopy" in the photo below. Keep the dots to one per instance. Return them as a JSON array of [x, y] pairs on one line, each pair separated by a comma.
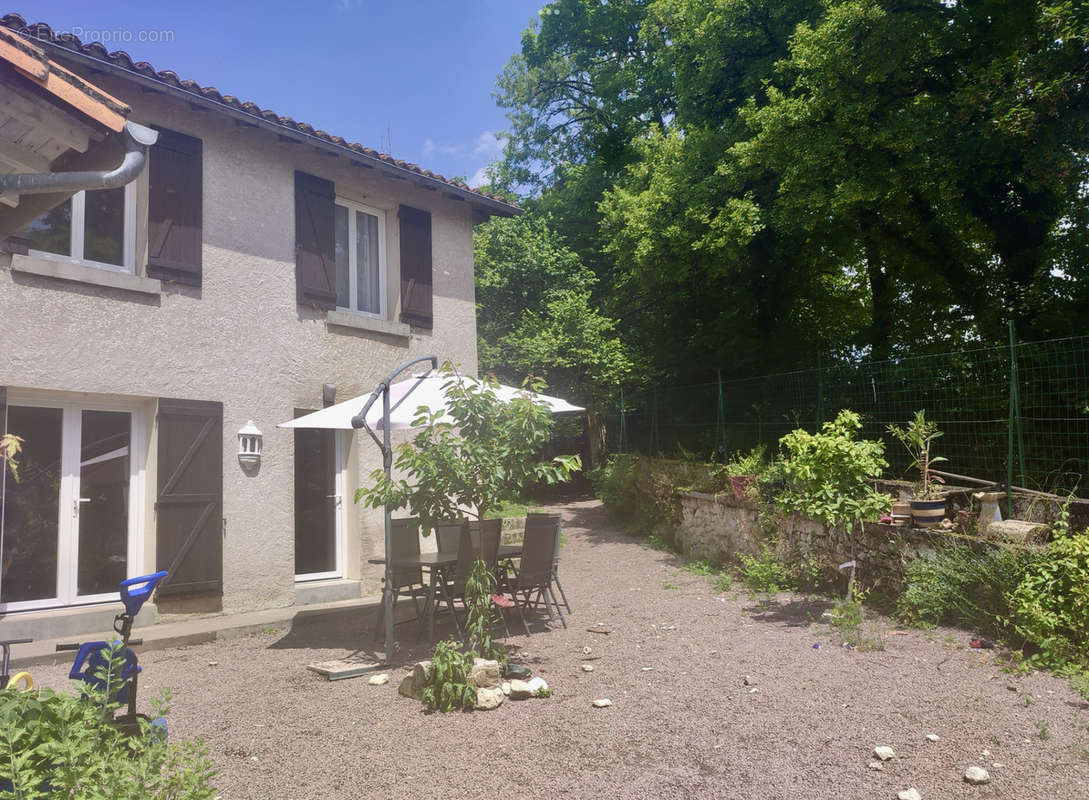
[[748, 183]]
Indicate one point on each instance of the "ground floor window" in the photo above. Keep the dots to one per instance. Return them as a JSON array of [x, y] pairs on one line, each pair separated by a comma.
[[69, 526], [320, 486]]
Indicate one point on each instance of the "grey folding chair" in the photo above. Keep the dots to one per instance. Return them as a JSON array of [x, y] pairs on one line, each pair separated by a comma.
[[447, 534], [404, 543], [533, 582], [554, 523]]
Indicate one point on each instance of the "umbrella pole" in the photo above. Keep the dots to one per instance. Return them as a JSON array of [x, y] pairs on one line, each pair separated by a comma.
[[387, 463]]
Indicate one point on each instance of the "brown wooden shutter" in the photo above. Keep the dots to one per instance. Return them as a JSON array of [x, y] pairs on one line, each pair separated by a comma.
[[189, 511], [415, 266], [315, 254], [175, 209]]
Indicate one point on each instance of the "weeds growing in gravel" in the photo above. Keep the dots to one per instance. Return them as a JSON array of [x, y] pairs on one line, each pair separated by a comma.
[[668, 585], [724, 582], [763, 573], [849, 619], [1043, 731], [699, 566]]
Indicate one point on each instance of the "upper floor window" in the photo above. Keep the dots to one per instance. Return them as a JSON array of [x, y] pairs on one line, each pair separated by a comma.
[[360, 247], [93, 227]]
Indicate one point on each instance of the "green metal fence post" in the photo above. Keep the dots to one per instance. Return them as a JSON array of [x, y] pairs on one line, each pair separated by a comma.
[[1013, 415], [623, 436], [655, 444], [720, 420]]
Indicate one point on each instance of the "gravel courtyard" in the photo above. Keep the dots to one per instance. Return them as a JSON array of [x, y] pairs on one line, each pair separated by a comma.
[[682, 723]]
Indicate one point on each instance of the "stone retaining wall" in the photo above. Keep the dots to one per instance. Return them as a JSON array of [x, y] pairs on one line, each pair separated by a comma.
[[720, 527]]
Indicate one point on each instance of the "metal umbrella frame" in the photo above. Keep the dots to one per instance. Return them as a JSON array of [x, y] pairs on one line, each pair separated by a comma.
[[360, 421]]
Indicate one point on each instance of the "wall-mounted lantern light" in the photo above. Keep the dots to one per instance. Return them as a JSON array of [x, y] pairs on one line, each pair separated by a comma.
[[249, 445]]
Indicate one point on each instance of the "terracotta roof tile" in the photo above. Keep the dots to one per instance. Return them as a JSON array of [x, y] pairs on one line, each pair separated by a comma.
[[43, 33]]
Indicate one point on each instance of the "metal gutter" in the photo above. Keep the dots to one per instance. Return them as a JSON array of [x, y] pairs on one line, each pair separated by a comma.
[[136, 138]]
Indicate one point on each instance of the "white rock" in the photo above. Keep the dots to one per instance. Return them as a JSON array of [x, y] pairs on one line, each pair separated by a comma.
[[884, 753], [520, 690], [602, 702], [536, 685], [647, 669], [876, 765], [749, 680], [505, 687], [985, 753], [379, 680], [909, 794], [753, 690], [977, 775], [586, 651], [933, 737], [487, 699], [587, 667], [998, 765], [484, 674]]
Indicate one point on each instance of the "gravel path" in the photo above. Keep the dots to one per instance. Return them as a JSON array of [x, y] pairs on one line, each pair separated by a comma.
[[682, 724]]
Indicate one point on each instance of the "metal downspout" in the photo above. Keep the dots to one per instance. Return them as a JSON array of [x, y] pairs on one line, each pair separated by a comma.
[[136, 138]]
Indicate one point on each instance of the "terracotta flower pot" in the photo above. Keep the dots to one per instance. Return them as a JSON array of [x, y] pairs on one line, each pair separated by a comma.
[[740, 485], [927, 513]]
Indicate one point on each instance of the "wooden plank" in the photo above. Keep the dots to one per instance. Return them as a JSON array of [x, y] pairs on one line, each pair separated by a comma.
[[339, 669], [22, 159]]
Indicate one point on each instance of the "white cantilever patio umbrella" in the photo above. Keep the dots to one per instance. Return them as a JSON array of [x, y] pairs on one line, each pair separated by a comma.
[[400, 405], [405, 399]]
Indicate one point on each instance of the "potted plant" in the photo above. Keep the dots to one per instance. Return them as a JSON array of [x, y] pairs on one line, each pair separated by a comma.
[[741, 472], [917, 437]]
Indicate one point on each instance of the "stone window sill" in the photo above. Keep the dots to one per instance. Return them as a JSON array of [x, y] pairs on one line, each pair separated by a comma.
[[80, 273], [361, 322]]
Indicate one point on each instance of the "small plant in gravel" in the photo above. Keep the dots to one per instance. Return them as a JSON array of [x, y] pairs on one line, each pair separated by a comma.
[[724, 582], [1042, 731], [848, 617], [763, 573], [448, 686], [699, 566], [480, 614], [658, 541], [61, 745], [668, 585]]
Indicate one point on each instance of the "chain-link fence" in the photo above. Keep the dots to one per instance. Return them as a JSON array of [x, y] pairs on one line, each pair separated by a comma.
[[1018, 412]]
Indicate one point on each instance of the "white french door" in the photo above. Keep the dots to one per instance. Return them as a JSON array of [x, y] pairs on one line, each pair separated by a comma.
[[321, 487], [69, 528]]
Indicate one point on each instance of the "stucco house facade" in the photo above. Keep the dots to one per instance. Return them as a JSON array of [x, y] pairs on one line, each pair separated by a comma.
[[256, 270]]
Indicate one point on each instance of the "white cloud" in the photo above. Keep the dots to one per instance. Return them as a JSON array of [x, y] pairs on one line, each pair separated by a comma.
[[428, 147], [488, 145], [479, 177]]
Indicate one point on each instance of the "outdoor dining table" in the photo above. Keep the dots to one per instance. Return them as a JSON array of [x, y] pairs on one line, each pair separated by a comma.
[[437, 564]]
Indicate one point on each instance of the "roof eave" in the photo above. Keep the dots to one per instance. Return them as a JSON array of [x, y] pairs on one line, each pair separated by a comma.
[[486, 204]]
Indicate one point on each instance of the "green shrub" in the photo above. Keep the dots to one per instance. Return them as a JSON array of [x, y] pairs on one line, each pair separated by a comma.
[[448, 686], [56, 744], [828, 474], [1051, 602], [964, 585], [614, 484], [751, 463], [763, 572]]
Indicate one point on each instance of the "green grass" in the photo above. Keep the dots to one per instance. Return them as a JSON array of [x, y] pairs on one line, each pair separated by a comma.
[[699, 566], [512, 509], [668, 585]]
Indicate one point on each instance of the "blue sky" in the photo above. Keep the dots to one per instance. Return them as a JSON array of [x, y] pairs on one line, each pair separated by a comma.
[[410, 77]]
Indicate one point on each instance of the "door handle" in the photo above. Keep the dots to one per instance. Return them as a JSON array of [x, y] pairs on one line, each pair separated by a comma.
[[76, 502]]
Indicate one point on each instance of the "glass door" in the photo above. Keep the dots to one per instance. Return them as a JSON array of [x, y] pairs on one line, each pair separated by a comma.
[[67, 520], [320, 484]]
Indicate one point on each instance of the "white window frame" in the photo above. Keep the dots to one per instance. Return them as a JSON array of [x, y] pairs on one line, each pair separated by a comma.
[[79, 232], [68, 519], [340, 516], [353, 263]]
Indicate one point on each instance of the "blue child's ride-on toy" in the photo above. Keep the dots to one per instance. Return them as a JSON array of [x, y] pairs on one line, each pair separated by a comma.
[[92, 658]]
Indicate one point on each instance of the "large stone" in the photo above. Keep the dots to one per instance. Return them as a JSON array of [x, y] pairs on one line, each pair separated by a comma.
[[379, 680], [909, 794], [602, 702], [977, 776], [520, 690], [884, 753], [519, 671], [484, 674], [487, 699], [537, 685], [414, 683]]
